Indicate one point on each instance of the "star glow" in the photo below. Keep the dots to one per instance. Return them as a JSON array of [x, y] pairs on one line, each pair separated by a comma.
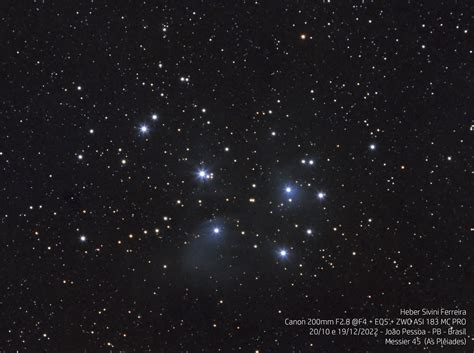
[[144, 129]]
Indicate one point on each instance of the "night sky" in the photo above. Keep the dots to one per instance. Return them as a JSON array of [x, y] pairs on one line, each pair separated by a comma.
[[181, 176]]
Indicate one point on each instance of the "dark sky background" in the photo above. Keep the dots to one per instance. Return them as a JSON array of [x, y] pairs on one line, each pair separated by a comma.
[[181, 176]]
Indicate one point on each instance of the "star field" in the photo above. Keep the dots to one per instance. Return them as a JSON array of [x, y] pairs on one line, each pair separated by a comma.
[[183, 176]]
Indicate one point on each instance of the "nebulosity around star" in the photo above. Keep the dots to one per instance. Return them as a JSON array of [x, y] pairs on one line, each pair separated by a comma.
[[204, 175], [283, 253], [144, 129]]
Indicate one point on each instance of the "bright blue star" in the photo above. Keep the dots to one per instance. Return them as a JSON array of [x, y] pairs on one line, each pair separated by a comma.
[[283, 253], [144, 129], [290, 193], [321, 195], [372, 146], [203, 174], [216, 230], [154, 116]]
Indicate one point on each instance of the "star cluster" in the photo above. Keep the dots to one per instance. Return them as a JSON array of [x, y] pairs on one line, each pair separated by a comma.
[[182, 177]]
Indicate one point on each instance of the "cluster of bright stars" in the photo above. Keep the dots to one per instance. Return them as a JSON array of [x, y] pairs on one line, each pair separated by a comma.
[[203, 175], [282, 253]]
